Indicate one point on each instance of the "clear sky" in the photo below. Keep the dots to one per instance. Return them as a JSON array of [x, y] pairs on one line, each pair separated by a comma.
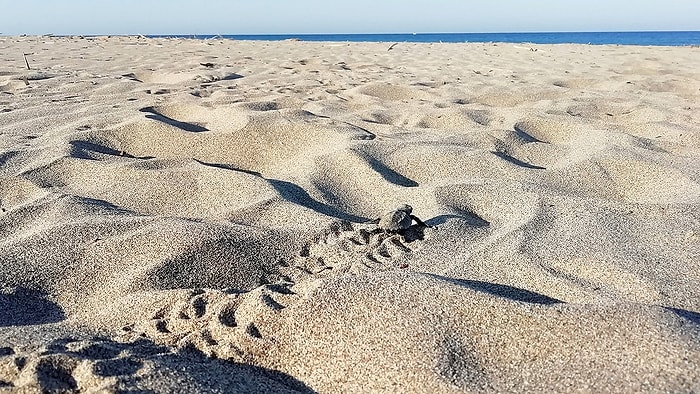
[[333, 16]]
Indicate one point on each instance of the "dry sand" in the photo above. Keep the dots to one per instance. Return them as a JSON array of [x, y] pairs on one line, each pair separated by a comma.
[[192, 216]]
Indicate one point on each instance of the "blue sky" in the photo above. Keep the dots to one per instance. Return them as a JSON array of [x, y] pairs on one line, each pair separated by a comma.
[[350, 16]]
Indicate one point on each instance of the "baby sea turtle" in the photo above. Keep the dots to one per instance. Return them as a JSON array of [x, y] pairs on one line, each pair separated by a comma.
[[399, 220]]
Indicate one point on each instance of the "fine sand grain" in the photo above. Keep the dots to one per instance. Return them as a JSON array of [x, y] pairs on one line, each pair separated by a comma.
[[202, 216]]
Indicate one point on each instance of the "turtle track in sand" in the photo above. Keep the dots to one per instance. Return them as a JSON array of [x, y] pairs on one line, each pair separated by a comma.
[[344, 247], [239, 326], [227, 329]]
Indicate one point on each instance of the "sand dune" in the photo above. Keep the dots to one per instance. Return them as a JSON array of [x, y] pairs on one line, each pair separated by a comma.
[[198, 216]]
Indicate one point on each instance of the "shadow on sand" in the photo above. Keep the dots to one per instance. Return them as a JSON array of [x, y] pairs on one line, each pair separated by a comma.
[[504, 291], [21, 307], [143, 366]]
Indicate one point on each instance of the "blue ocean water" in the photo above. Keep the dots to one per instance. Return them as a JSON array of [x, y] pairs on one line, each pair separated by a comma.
[[661, 38]]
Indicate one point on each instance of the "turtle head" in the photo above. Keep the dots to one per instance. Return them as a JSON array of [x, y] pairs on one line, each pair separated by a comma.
[[405, 208]]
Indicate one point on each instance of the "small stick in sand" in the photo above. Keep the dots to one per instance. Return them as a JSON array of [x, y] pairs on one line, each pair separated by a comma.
[[392, 46], [26, 61]]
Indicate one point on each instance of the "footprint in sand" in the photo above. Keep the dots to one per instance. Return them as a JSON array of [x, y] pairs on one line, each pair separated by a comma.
[[93, 365], [68, 365]]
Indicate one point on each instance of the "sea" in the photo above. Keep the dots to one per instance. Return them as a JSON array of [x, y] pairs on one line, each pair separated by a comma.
[[655, 38]]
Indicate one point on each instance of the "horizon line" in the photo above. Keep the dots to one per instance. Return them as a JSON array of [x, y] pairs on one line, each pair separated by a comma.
[[348, 34]]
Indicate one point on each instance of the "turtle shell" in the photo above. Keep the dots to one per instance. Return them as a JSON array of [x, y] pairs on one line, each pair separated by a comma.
[[395, 220]]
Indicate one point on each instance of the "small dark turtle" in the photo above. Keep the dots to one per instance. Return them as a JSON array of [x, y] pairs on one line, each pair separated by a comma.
[[399, 220]]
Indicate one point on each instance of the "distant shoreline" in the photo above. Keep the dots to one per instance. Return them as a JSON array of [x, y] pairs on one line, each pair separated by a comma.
[[654, 38], [639, 38]]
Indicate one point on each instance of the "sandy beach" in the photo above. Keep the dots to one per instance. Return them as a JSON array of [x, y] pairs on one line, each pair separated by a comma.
[[200, 216]]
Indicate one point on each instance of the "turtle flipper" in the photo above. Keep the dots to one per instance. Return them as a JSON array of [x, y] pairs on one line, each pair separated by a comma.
[[418, 221]]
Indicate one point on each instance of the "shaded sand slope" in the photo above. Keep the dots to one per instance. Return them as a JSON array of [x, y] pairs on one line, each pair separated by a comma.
[[203, 209]]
